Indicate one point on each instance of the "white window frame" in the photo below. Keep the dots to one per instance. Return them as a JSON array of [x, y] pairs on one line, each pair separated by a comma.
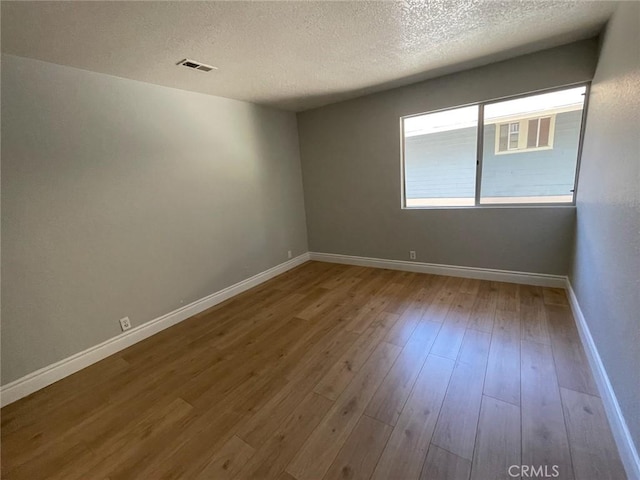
[[480, 146], [523, 132]]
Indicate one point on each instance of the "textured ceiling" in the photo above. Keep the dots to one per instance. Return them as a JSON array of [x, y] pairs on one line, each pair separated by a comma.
[[291, 55]]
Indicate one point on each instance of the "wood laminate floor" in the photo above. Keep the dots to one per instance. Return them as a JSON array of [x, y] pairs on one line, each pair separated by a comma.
[[332, 372]]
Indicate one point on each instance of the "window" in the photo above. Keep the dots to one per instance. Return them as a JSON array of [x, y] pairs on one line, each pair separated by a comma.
[[440, 158], [537, 133], [528, 152]]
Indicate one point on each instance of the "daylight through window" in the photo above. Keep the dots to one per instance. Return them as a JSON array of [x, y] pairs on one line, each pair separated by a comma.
[[529, 152]]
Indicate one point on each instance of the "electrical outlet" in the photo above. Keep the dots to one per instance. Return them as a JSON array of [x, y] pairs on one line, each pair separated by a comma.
[[289, 254], [125, 324], [412, 255]]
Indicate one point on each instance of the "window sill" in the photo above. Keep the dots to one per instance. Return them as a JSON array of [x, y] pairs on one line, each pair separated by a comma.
[[495, 206]]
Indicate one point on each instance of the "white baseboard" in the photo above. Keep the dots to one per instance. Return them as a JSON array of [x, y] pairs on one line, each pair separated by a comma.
[[52, 373], [539, 279], [621, 434]]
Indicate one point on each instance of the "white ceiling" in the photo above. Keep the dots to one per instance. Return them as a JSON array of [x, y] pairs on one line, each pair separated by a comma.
[[291, 55]]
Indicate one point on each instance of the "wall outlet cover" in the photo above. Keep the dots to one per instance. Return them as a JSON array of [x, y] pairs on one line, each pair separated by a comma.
[[125, 324]]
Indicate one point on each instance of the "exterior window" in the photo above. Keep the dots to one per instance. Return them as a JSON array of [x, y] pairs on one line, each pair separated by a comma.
[[539, 132], [525, 134], [514, 135], [529, 152], [509, 137]]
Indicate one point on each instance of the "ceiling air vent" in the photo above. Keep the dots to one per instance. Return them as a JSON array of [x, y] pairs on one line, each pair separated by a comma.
[[196, 65]]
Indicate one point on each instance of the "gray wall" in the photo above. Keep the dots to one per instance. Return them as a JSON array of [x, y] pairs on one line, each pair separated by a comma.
[[350, 155], [121, 198], [444, 163], [606, 270]]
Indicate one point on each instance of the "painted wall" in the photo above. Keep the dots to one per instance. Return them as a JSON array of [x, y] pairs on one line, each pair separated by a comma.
[[121, 198], [444, 164], [350, 155], [606, 270]]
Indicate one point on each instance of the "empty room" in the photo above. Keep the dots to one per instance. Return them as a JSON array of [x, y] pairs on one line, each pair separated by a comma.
[[314, 240]]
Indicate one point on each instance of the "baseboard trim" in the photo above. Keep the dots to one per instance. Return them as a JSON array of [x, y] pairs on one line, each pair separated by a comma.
[[52, 373], [621, 434], [539, 279]]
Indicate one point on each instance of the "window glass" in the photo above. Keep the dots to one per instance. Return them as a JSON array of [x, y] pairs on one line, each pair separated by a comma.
[[440, 151], [545, 125], [539, 165], [529, 152], [532, 135]]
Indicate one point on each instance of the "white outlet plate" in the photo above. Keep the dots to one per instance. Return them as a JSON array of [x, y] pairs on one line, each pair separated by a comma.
[[125, 324], [412, 255], [289, 254]]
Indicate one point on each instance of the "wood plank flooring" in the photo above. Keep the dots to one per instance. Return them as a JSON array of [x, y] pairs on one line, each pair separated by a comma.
[[332, 372]]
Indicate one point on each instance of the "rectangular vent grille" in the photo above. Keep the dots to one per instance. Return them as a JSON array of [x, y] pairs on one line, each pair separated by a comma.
[[196, 65]]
